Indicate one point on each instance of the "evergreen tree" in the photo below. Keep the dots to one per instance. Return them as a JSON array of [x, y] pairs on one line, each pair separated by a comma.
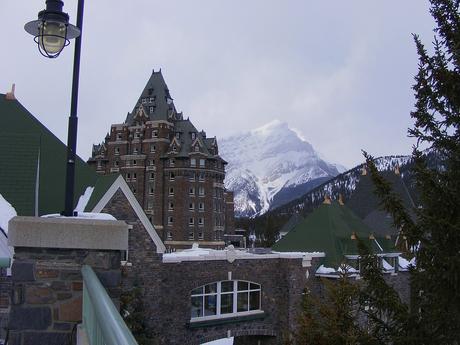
[[434, 236]]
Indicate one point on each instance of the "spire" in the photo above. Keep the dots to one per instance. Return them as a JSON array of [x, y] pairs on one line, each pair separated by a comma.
[[10, 95], [341, 200]]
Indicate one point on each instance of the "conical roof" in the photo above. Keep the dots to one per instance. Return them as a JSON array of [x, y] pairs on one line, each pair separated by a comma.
[[333, 229], [155, 99]]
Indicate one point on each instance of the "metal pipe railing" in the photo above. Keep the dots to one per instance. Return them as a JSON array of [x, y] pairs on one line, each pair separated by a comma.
[[101, 320]]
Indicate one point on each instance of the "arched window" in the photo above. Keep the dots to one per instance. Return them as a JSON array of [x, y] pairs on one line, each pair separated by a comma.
[[227, 298]]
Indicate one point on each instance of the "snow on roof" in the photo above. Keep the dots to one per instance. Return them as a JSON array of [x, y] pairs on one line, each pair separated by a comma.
[[83, 215], [6, 213], [230, 253], [223, 341], [83, 200], [325, 270]]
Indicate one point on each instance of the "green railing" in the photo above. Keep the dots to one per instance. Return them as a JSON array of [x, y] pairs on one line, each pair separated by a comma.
[[101, 320]]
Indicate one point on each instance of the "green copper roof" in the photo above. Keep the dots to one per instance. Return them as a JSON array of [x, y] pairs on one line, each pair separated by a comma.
[[329, 229], [27, 150]]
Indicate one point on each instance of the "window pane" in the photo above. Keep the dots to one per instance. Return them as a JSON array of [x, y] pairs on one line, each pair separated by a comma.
[[210, 305], [255, 286], [226, 303], [242, 286], [198, 291], [227, 286], [210, 288], [242, 299], [254, 300], [197, 306]]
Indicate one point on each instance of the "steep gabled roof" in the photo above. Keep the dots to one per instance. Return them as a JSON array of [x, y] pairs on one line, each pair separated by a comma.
[[163, 105], [331, 228], [33, 163]]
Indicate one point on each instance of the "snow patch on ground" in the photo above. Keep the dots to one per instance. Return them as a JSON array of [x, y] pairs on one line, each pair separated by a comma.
[[84, 198]]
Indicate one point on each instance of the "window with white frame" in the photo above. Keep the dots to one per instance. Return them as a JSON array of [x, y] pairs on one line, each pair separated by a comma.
[[201, 190], [201, 206], [170, 220], [192, 176], [152, 176], [191, 221], [202, 163], [201, 235], [225, 299], [172, 176], [171, 206], [193, 162], [172, 162], [153, 148], [154, 133], [191, 191], [191, 206], [117, 150], [201, 176], [201, 221], [171, 190]]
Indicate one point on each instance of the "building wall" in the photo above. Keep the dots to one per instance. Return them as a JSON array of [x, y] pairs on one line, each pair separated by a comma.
[[167, 185]]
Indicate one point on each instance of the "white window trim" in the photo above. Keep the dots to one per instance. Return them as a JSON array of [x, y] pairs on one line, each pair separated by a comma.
[[235, 302]]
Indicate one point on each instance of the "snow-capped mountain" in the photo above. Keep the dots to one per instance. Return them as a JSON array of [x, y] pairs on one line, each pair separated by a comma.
[[271, 165]]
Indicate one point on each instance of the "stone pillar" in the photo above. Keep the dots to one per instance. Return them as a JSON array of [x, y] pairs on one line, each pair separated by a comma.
[[46, 273]]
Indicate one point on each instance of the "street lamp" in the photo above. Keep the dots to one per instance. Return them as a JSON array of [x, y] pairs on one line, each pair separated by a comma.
[[52, 32]]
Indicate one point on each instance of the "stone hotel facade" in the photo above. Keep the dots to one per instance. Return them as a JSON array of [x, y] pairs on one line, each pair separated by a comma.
[[173, 169]]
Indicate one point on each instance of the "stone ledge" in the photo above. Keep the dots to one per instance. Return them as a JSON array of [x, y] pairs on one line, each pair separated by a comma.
[[68, 233]]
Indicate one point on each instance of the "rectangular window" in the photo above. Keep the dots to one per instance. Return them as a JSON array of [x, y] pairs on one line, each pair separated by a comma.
[[170, 220], [191, 221], [118, 136], [169, 235], [200, 235], [155, 133], [171, 206], [201, 191], [192, 162], [135, 151], [151, 190], [152, 148], [151, 109], [152, 100], [134, 162], [172, 162], [191, 206], [171, 190], [192, 176], [201, 221], [201, 176], [134, 176], [202, 163], [193, 136], [144, 100], [191, 235], [117, 150], [191, 191], [172, 176], [201, 206], [152, 176], [178, 135], [116, 163]]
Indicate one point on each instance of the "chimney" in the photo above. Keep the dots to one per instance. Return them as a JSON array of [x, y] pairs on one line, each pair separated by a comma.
[[10, 95]]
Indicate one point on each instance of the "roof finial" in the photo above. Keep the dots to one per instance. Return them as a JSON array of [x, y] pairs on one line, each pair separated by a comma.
[[327, 200], [341, 200], [10, 95], [364, 171]]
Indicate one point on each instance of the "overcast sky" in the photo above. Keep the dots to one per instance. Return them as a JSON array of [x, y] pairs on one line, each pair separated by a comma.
[[339, 72]]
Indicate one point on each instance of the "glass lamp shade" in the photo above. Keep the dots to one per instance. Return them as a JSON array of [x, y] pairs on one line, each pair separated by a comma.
[[52, 37]]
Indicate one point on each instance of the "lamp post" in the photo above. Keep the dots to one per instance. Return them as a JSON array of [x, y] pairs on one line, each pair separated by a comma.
[[52, 32]]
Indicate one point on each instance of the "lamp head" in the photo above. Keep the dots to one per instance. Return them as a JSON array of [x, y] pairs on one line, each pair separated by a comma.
[[52, 31]]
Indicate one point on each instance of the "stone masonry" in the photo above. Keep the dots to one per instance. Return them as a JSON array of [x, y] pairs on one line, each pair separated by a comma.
[[47, 283]]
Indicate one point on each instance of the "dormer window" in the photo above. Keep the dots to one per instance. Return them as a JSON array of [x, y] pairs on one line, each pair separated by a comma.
[[193, 135], [197, 148], [155, 133], [174, 148], [118, 136], [202, 163]]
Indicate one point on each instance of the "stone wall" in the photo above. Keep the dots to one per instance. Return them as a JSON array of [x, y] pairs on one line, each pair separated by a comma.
[[47, 285]]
